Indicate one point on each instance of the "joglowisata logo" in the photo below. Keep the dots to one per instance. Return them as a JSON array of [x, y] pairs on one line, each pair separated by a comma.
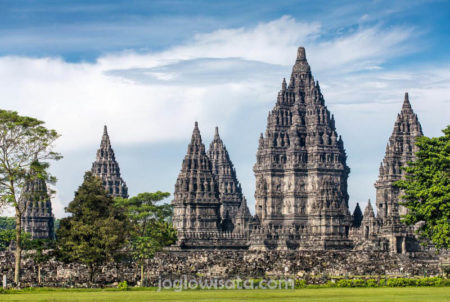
[[187, 283]]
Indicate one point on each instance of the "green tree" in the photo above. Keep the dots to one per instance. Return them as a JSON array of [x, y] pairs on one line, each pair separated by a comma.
[[7, 223], [150, 225], [25, 146], [9, 236], [95, 232], [427, 189]]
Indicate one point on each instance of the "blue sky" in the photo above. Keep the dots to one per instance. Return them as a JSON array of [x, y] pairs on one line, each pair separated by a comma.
[[149, 69]]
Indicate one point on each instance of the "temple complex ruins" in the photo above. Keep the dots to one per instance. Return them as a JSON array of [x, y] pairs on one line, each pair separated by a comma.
[[301, 197], [301, 171]]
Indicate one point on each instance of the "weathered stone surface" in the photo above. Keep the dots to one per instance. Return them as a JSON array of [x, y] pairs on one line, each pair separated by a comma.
[[227, 264]]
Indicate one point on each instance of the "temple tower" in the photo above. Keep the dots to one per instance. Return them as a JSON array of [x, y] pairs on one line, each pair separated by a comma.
[[107, 169], [301, 171], [400, 150], [230, 191], [37, 217], [196, 198]]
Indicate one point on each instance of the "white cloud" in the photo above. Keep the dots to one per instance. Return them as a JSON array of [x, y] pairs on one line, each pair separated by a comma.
[[156, 97]]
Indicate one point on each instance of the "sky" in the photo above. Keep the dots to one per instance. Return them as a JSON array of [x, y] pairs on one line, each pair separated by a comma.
[[150, 69]]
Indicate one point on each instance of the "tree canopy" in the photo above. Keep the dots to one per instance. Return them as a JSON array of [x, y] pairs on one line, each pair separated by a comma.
[[150, 225], [95, 233], [427, 189]]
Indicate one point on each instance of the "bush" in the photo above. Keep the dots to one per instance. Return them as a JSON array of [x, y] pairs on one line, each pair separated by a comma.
[[344, 283], [122, 285], [300, 283], [372, 283]]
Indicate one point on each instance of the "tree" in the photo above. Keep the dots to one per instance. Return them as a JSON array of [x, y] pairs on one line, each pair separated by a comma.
[[96, 231], [7, 223], [150, 225], [25, 146], [427, 189], [9, 236]]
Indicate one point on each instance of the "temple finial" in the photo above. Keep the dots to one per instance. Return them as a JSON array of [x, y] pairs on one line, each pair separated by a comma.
[[105, 138], [216, 133], [406, 103], [301, 54]]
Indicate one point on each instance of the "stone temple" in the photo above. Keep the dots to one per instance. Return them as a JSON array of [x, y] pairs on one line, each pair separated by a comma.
[[37, 216], [107, 169], [301, 183]]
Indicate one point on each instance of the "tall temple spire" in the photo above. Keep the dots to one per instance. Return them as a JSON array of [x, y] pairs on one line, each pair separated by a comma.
[[400, 150], [301, 171], [230, 192], [107, 169], [196, 198]]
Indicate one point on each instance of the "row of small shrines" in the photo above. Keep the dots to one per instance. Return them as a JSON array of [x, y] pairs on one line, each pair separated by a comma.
[[301, 203]]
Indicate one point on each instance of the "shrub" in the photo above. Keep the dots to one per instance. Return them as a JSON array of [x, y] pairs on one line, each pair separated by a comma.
[[122, 285], [372, 283], [359, 283], [344, 283], [300, 283]]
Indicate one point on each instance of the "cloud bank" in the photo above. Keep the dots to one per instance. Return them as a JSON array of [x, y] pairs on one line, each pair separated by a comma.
[[229, 78]]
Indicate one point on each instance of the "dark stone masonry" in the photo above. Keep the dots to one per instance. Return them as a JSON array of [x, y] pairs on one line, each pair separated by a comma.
[[314, 266]]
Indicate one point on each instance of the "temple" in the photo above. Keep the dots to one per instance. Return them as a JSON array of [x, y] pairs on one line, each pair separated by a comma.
[[386, 232], [37, 216], [301, 197], [301, 171], [107, 169]]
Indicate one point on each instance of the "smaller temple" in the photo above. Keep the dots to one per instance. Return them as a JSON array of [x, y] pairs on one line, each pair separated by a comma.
[[205, 215], [386, 231], [230, 191], [37, 215], [107, 169]]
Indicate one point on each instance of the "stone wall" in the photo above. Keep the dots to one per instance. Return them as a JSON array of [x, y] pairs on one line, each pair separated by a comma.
[[231, 264]]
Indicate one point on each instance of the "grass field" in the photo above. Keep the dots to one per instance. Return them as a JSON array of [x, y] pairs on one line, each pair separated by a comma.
[[319, 294]]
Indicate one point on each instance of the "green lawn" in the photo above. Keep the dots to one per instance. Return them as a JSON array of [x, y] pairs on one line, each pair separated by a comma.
[[311, 294]]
